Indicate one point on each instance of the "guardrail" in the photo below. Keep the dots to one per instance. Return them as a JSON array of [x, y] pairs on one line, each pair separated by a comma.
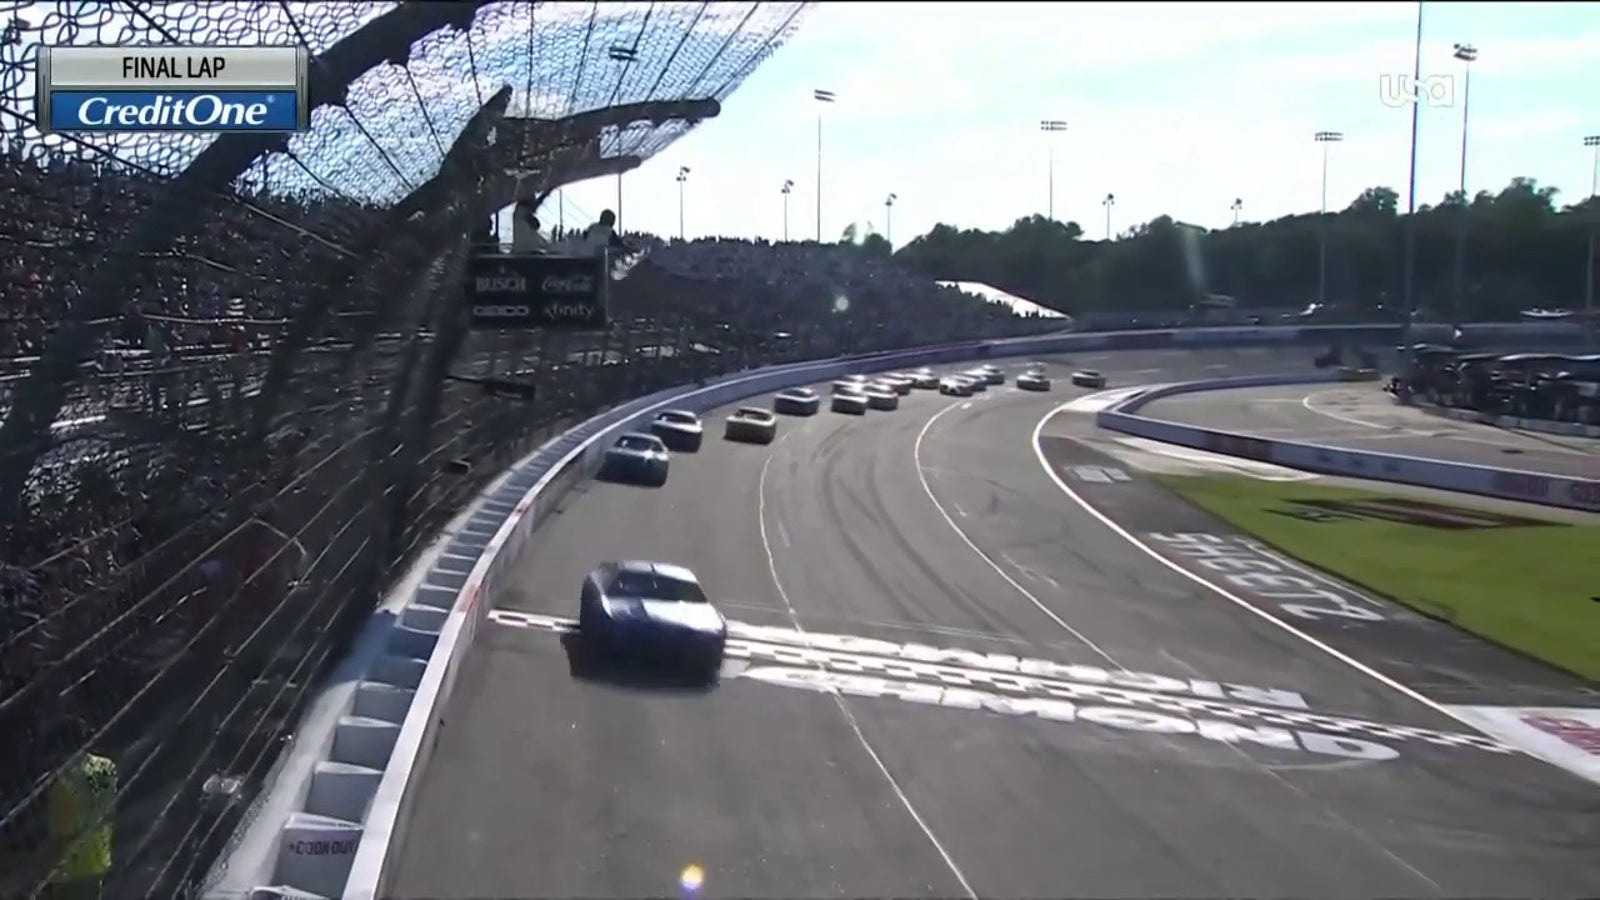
[[337, 801], [1488, 481]]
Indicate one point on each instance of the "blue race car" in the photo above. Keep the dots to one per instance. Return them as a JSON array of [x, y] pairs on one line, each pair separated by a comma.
[[651, 611], [638, 458]]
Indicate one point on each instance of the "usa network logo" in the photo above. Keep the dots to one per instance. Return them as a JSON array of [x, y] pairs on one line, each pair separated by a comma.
[[1404, 90], [154, 111]]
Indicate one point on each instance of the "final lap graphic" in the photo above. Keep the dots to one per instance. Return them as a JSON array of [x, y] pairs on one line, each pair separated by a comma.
[[1244, 716]]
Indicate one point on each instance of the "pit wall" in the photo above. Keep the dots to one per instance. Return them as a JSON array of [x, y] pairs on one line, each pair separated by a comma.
[[336, 804], [1487, 481], [1569, 429]]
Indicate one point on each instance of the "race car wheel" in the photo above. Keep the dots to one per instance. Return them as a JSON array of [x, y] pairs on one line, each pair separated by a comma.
[[711, 667]]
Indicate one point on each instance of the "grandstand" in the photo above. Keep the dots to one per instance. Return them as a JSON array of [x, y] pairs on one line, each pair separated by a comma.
[[239, 389]]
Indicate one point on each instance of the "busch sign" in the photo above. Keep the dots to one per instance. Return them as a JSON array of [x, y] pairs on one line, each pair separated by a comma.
[[532, 291]]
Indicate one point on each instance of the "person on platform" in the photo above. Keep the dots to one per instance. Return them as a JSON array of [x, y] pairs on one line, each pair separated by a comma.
[[602, 235], [525, 236]]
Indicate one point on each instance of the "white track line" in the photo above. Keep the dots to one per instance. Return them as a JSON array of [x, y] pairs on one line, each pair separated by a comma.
[[1247, 606], [1267, 770], [838, 699], [922, 478], [1314, 409]]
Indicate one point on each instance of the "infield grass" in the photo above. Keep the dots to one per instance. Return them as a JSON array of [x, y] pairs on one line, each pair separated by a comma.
[[1531, 588]]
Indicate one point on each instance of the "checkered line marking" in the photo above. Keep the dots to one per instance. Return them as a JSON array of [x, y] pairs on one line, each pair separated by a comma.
[[963, 677]]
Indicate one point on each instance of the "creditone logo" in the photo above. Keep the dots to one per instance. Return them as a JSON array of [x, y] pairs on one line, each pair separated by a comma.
[[155, 111]]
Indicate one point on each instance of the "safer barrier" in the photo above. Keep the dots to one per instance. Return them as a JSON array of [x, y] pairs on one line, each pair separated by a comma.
[[337, 802], [1488, 481]]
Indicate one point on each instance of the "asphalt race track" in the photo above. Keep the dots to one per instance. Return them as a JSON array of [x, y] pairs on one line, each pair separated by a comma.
[[948, 678], [1362, 417]]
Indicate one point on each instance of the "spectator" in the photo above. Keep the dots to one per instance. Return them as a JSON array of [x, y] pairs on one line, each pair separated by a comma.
[[525, 236]]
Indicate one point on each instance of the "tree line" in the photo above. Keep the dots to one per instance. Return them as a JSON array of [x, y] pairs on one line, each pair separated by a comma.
[[1521, 252]]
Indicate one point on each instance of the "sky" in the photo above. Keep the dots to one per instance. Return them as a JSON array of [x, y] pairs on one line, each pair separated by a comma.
[[1176, 109]]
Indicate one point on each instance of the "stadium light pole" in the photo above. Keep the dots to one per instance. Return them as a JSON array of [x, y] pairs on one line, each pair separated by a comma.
[[1326, 139], [1592, 140], [821, 96], [683, 178], [788, 185], [1467, 54], [625, 56], [1410, 246], [1238, 204], [1051, 127], [1108, 202], [888, 218]]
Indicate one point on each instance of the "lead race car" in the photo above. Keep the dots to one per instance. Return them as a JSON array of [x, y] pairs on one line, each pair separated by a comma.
[[1088, 378], [635, 610], [638, 458], [679, 430]]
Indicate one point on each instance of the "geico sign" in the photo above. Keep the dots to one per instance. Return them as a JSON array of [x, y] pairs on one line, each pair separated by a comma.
[[502, 312]]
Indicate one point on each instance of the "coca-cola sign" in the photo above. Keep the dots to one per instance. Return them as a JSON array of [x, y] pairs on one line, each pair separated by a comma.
[[529, 291]]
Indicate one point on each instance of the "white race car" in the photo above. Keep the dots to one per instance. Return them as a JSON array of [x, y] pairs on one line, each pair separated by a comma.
[[882, 398], [679, 430], [978, 379], [1088, 378], [1033, 380], [924, 380], [797, 402], [901, 384], [992, 374], [955, 387], [850, 403], [751, 423], [848, 386]]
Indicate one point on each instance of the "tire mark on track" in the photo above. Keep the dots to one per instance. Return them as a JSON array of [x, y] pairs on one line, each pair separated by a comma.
[[832, 454], [958, 596]]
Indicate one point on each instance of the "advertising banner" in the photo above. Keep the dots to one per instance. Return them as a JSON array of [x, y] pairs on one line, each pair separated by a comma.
[[535, 291]]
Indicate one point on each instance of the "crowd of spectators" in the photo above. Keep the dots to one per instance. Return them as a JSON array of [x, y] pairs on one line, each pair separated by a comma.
[[1550, 386], [834, 288]]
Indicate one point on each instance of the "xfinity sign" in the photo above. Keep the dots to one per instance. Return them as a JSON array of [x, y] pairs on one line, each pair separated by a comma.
[[537, 291]]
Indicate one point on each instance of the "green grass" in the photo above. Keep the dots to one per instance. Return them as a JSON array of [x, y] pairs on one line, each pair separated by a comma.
[[1530, 588]]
